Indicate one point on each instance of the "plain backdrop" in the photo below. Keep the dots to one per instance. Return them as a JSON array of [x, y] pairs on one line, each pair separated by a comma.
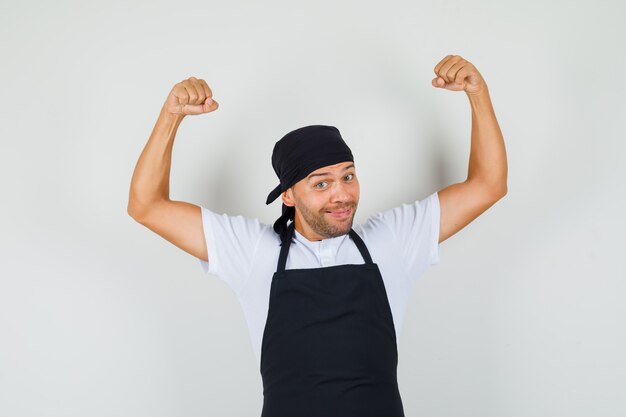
[[99, 316]]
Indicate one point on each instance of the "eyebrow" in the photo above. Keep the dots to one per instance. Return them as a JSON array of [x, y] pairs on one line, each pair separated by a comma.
[[326, 173]]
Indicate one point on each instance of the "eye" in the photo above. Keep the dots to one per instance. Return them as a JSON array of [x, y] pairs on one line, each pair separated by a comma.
[[349, 177], [320, 183]]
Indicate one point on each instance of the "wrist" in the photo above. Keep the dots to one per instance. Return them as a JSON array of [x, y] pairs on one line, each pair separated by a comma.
[[481, 92], [480, 102], [171, 117]]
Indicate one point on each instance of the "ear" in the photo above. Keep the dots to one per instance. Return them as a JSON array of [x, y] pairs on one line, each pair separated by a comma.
[[287, 197]]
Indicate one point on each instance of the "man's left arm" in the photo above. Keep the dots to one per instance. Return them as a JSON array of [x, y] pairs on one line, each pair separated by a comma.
[[486, 181]]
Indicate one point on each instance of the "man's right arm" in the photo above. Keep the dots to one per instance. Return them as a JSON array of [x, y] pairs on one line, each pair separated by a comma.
[[149, 204]]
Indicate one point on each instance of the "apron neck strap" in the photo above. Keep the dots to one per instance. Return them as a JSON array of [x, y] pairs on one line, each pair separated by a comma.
[[361, 245], [284, 247], [288, 236]]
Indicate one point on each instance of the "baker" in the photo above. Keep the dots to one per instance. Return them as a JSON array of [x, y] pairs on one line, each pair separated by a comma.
[[323, 297]]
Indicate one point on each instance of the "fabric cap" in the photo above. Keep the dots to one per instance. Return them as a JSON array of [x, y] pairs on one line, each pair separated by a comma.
[[301, 152]]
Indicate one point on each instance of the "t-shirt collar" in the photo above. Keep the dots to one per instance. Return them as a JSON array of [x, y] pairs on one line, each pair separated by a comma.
[[331, 241]]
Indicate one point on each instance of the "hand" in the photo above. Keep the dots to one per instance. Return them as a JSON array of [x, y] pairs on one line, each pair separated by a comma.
[[456, 74], [191, 96]]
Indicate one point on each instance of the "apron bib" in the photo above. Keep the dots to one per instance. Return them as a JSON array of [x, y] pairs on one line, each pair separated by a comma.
[[329, 343]]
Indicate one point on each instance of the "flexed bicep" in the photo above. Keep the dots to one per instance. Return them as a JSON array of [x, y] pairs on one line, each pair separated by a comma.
[[461, 203], [179, 223]]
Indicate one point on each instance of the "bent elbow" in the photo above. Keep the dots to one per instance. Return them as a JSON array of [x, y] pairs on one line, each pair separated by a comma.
[[135, 212], [502, 191]]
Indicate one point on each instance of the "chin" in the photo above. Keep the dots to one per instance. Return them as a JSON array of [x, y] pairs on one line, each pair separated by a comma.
[[342, 228]]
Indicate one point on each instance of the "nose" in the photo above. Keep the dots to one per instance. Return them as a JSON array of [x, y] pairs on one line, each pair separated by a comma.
[[339, 192]]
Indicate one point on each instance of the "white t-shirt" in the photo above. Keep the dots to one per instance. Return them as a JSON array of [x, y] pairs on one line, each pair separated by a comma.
[[243, 252]]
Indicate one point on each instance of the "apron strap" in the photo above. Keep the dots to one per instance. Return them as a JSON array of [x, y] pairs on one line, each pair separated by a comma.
[[361, 245], [288, 236], [284, 247]]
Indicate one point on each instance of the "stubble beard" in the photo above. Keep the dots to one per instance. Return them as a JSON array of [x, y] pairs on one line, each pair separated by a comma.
[[319, 222]]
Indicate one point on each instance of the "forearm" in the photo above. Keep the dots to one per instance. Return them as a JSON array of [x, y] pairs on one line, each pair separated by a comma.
[[488, 162], [151, 178]]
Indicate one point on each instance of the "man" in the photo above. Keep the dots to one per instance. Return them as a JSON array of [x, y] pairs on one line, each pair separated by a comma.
[[323, 298]]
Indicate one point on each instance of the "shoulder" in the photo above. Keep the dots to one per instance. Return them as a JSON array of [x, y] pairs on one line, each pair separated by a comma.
[[232, 243], [238, 226], [409, 231], [399, 219]]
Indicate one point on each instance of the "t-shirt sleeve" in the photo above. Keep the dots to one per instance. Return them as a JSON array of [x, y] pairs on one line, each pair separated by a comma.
[[231, 243], [415, 228]]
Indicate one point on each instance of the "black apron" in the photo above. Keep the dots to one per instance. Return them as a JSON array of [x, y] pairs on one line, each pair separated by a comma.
[[329, 343]]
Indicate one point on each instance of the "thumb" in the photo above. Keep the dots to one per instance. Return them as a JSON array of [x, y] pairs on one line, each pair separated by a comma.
[[438, 82], [208, 106]]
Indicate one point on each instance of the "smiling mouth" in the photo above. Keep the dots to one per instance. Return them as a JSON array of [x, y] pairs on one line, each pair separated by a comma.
[[340, 213]]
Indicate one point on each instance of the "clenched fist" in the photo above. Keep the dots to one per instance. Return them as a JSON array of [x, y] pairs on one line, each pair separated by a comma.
[[456, 73], [191, 96]]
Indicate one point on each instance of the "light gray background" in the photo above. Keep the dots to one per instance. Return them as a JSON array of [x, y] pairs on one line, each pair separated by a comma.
[[525, 315]]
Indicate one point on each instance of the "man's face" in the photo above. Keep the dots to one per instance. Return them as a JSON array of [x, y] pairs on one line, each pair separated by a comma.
[[325, 201]]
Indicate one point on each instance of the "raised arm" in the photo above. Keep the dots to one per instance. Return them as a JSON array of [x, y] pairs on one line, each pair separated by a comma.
[[149, 202], [486, 181]]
